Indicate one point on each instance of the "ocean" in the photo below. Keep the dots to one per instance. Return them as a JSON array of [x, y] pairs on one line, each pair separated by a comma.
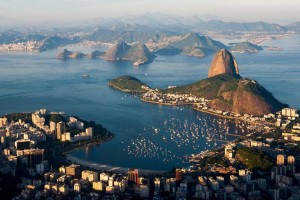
[[147, 136]]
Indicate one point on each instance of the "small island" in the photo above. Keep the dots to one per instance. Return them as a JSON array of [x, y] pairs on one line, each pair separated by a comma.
[[129, 84], [66, 54], [137, 53], [246, 47]]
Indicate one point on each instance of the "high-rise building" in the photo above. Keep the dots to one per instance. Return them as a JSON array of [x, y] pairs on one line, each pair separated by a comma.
[[89, 175], [289, 112], [60, 129], [34, 156], [3, 121], [291, 160], [280, 160], [133, 176], [52, 126], [73, 170], [89, 131], [178, 174]]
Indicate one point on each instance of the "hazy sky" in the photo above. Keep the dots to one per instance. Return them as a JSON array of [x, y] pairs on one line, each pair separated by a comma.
[[61, 10]]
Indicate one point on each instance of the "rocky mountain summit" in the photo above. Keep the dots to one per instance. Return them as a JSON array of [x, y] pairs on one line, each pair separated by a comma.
[[223, 63]]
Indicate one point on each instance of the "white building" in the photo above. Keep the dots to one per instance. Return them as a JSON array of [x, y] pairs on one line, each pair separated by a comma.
[[89, 131], [89, 175], [104, 177], [289, 112], [52, 126], [3, 122], [77, 187]]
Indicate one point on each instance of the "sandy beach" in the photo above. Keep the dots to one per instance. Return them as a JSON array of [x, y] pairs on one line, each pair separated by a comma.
[[108, 168]]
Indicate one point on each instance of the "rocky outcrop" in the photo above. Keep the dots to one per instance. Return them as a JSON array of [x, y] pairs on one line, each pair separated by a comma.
[[223, 63], [65, 54], [137, 53]]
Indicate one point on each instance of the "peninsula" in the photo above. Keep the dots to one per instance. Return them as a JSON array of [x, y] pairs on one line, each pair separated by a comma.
[[224, 91], [129, 84]]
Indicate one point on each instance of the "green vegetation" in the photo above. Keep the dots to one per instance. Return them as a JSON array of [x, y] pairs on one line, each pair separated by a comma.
[[54, 118], [246, 47], [127, 84], [231, 92], [209, 88], [254, 159], [26, 117]]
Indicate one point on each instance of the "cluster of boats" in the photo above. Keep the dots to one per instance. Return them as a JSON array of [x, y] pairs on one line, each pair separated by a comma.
[[175, 138]]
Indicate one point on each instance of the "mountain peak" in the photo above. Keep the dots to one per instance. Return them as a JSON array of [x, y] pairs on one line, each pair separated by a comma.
[[223, 63]]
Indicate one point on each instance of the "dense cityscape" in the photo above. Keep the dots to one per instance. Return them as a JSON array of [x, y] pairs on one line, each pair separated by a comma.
[[257, 166]]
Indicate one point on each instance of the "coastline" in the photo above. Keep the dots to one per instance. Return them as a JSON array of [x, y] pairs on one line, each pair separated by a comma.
[[109, 168], [90, 143], [126, 91], [166, 104], [201, 110]]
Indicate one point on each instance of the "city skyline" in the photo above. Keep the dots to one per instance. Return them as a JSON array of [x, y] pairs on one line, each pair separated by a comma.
[[37, 12]]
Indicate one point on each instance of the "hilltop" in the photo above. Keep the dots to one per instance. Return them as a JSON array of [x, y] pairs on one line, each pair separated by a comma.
[[223, 62], [228, 91], [137, 53], [128, 84], [246, 47], [233, 93]]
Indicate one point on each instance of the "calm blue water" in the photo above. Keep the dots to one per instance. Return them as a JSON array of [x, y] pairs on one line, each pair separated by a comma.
[[147, 136]]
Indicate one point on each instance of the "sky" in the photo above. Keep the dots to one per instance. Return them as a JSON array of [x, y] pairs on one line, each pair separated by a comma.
[[277, 11]]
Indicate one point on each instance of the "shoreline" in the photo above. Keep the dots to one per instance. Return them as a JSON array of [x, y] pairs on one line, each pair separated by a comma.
[[90, 143], [126, 91], [108, 168], [99, 166], [166, 104], [203, 111]]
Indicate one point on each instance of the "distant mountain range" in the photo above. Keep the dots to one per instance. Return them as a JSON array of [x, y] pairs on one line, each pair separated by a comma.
[[196, 23], [176, 35], [190, 44]]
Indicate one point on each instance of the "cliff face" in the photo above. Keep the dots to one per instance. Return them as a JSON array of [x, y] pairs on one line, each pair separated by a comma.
[[223, 63], [137, 53], [117, 52], [246, 96]]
